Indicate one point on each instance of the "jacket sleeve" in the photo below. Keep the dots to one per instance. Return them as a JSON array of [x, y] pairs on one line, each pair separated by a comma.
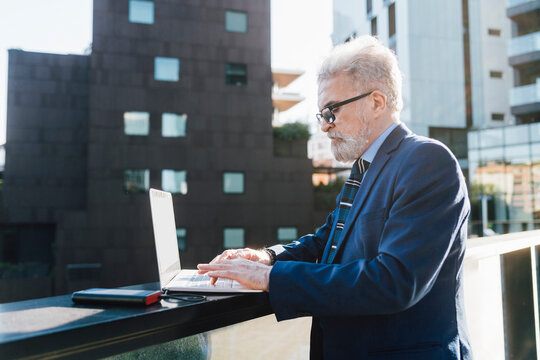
[[308, 248], [428, 210]]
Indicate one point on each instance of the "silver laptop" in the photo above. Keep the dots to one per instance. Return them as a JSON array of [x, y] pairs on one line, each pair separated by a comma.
[[171, 276]]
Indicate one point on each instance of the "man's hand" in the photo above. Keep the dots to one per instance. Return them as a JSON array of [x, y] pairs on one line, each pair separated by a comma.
[[249, 254], [251, 274]]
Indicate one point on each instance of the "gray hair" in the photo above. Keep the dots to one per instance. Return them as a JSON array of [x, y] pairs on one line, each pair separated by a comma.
[[370, 64]]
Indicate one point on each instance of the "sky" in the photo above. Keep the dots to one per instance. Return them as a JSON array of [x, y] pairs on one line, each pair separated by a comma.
[[300, 37]]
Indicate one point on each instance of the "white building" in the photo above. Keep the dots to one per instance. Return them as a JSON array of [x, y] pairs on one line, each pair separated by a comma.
[[440, 45], [524, 57], [282, 98]]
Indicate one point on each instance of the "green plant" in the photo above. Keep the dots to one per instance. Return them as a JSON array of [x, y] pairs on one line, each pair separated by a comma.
[[292, 131]]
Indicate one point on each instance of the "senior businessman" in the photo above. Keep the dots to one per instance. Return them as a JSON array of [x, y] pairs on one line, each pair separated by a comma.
[[383, 277]]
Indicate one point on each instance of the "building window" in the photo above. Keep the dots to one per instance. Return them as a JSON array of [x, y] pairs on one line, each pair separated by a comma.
[[233, 183], [391, 20], [136, 123], [141, 11], [236, 74], [497, 116], [174, 181], [136, 180], [166, 69], [369, 7], [494, 32], [173, 125], [287, 234], [496, 74], [181, 237], [233, 238], [455, 139], [236, 21], [374, 26]]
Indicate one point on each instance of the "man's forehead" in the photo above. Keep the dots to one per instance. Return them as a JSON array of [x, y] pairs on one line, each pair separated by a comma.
[[331, 89]]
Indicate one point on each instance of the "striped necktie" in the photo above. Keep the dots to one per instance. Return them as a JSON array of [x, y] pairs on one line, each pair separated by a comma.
[[350, 188]]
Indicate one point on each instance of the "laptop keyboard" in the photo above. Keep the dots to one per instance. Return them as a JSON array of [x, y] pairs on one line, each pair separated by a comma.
[[203, 281]]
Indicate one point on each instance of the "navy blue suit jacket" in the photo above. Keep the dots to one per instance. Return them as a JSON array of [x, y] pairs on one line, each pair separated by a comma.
[[394, 289]]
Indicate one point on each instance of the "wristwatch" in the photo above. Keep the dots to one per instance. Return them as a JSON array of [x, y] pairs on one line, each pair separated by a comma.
[[272, 255]]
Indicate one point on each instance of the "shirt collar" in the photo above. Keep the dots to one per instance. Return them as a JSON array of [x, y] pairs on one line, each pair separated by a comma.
[[371, 151]]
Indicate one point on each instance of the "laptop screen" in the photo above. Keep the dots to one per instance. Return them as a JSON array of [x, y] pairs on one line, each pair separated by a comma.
[[165, 238]]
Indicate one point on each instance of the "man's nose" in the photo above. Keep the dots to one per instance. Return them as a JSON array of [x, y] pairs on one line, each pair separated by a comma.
[[326, 126]]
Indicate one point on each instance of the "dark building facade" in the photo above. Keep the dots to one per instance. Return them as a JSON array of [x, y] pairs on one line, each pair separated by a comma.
[[175, 95]]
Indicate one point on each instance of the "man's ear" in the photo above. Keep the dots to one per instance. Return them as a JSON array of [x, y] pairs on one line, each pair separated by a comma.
[[379, 101]]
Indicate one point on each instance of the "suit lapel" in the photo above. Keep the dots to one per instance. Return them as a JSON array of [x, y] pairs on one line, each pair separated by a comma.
[[383, 155]]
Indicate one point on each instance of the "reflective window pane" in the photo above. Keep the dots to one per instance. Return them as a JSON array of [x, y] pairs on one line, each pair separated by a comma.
[[236, 74], [473, 140], [136, 123], [517, 154], [535, 132], [492, 155], [535, 153], [287, 234], [491, 137], [233, 238], [174, 181], [136, 180], [181, 237], [233, 183], [235, 21], [173, 125], [166, 69], [141, 11], [516, 135]]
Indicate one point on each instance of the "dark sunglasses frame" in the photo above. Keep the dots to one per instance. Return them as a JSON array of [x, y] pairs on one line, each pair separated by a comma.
[[327, 113]]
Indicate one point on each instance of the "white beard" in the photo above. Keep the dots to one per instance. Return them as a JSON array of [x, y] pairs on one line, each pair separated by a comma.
[[348, 148]]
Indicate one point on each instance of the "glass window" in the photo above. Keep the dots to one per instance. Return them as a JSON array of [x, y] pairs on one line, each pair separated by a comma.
[[474, 158], [455, 139], [136, 123], [535, 132], [174, 181], [473, 139], [136, 180], [181, 237], [497, 116], [517, 154], [535, 153], [236, 74], [141, 11], [233, 183], [236, 21], [491, 137], [496, 74], [494, 32], [391, 20], [374, 26], [166, 69], [516, 135], [173, 125], [287, 234], [369, 7], [233, 238], [492, 155]]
